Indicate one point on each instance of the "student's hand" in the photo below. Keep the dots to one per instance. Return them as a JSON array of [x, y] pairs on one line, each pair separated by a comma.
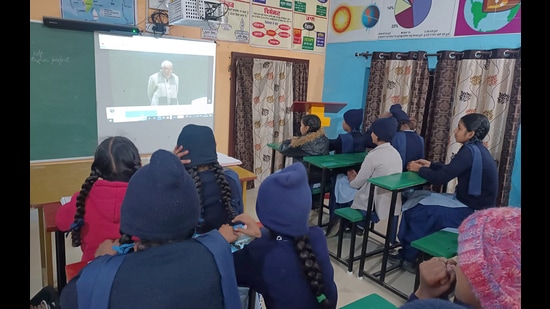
[[437, 278], [351, 174], [106, 247], [179, 152], [228, 233], [251, 227], [415, 165]]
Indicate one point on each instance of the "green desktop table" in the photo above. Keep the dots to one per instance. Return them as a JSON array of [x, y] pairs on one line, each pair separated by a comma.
[[328, 163], [395, 183]]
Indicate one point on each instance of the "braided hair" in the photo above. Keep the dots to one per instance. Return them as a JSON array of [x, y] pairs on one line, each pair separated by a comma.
[[116, 159], [223, 185], [311, 269], [478, 123]]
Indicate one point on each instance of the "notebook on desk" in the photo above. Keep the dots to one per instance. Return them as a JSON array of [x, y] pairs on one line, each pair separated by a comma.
[[226, 160]]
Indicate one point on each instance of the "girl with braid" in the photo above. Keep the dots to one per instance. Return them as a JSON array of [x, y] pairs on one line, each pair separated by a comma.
[[93, 213], [219, 189], [288, 261], [426, 212]]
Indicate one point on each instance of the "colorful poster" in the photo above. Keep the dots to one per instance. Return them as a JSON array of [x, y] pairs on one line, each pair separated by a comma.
[[310, 25], [399, 19], [236, 25], [477, 17], [102, 11], [271, 26], [309, 33]]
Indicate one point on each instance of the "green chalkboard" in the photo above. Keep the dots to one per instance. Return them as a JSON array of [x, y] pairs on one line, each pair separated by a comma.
[[63, 120]]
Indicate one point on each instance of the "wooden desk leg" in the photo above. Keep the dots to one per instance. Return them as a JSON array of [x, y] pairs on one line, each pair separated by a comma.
[[45, 250], [243, 186]]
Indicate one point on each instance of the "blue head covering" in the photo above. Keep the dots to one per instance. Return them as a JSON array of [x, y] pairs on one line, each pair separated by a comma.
[[397, 111], [284, 201], [353, 118]]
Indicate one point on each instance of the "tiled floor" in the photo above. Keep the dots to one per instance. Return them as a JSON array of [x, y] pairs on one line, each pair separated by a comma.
[[350, 288]]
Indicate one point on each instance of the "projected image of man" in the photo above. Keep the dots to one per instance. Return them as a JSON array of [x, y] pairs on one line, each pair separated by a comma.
[[163, 86]]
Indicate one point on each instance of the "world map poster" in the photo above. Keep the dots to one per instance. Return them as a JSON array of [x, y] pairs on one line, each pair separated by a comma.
[[101, 11], [477, 17]]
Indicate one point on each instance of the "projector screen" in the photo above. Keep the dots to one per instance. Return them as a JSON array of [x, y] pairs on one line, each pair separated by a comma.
[[138, 99]]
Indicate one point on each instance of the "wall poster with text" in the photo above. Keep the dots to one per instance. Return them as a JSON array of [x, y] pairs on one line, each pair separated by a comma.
[[271, 23], [310, 22], [236, 27]]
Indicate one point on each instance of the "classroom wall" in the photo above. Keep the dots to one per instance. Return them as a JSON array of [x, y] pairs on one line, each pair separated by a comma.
[[65, 178], [346, 75]]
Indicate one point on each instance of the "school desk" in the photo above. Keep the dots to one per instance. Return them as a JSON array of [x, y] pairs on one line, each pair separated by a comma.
[[328, 163], [46, 223], [394, 183], [244, 176], [274, 148]]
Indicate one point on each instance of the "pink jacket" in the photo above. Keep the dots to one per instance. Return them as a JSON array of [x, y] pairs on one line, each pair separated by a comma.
[[101, 218]]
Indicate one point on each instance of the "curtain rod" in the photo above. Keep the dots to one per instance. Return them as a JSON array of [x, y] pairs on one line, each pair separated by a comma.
[[452, 54], [367, 54]]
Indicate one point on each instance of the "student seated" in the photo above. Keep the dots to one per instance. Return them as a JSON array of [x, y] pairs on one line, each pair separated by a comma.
[[311, 142], [288, 262], [487, 270], [426, 212], [219, 189], [408, 143], [353, 140], [93, 213], [157, 262], [383, 160]]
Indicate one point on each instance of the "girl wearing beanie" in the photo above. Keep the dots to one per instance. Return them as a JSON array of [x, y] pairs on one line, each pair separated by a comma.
[[352, 140], [93, 213], [288, 262], [157, 262], [409, 144], [426, 212], [219, 189], [487, 270], [381, 161]]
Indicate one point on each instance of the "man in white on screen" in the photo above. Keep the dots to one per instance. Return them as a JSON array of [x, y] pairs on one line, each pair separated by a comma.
[[163, 86]]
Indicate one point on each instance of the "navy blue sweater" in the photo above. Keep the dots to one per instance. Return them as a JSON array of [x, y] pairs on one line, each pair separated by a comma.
[[461, 166], [272, 268], [176, 275]]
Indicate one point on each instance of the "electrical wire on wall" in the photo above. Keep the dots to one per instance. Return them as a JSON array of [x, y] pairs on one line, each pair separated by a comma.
[[209, 11], [159, 20]]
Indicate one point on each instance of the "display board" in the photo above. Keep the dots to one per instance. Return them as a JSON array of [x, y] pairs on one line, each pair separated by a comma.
[[63, 121]]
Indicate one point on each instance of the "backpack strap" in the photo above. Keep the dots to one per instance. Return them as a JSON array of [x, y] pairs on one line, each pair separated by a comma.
[[95, 282], [220, 249], [236, 190]]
